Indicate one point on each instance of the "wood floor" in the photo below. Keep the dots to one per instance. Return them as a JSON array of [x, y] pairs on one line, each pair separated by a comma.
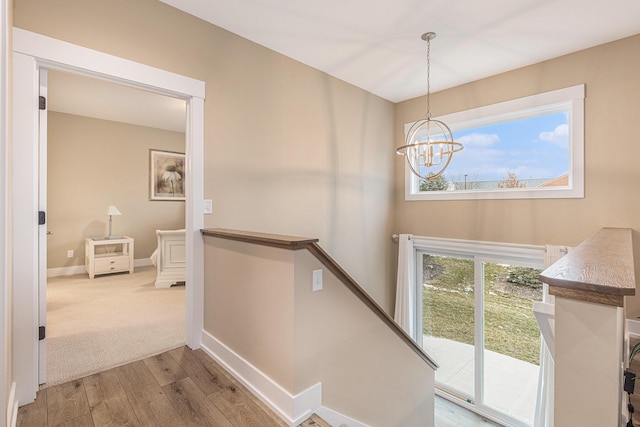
[[177, 388]]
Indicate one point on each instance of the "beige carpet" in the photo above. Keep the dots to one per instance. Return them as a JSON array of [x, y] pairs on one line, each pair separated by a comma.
[[93, 325]]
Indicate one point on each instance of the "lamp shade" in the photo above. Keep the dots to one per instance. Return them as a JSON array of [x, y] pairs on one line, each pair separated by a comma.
[[112, 210]]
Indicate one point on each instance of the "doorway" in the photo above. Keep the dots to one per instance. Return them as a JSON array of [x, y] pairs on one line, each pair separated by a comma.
[[99, 136], [31, 52]]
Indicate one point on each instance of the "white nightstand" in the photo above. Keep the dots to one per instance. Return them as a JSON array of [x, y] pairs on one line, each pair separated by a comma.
[[104, 256]]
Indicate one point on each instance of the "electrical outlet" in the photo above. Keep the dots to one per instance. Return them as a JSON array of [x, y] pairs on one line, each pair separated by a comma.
[[70, 253]]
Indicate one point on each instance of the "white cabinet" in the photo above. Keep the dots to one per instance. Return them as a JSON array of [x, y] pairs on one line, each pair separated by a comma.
[[104, 256]]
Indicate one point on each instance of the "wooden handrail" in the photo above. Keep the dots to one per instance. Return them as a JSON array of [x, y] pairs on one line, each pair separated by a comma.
[[600, 269], [265, 239], [296, 243]]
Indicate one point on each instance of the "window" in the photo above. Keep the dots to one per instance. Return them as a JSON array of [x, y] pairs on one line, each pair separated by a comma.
[[526, 148], [474, 316]]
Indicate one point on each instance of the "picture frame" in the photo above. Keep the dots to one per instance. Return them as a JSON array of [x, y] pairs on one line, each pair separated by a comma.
[[166, 175]]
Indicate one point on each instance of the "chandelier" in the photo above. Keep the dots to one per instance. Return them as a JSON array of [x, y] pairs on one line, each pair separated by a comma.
[[429, 144]]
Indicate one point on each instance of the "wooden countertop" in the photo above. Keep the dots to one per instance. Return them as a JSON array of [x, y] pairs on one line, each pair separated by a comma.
[[600, 269]]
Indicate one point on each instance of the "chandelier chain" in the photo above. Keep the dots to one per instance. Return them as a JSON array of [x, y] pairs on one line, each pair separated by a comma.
[[428, 78]]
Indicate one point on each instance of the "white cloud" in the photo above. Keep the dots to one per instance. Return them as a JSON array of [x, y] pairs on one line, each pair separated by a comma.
[[479, 140], [559, 136]]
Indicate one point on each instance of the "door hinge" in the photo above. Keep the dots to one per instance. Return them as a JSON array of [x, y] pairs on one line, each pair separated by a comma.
[[42, 218], [41, 333], [43, 103]]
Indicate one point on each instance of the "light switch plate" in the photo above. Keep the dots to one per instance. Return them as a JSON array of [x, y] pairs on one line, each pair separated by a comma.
[[208, 206], [317, 280]]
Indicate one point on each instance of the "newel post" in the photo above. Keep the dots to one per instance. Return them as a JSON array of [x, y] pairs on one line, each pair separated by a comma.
[[590, 283]]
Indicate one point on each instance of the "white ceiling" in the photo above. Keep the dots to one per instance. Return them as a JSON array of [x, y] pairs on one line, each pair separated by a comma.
[[376, 45], [91, 97]]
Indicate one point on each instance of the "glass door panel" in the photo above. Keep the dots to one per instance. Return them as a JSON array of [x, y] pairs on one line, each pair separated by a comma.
[[447, 289], [511, 352]]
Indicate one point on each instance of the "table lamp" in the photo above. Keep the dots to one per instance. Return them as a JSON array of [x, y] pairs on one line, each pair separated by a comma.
[[112, 210]]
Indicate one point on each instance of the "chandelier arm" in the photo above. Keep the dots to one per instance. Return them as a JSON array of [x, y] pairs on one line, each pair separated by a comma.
[[441, 171], [430, 175]]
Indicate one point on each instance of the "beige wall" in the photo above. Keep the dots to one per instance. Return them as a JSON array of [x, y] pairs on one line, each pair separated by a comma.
[[96, 163], [288, 149], [612, 175]]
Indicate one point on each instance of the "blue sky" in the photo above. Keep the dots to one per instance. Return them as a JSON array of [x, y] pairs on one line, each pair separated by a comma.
[[532, 148]]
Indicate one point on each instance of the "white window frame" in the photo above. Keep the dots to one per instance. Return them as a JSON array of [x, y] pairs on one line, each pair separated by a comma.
[[557, 100]]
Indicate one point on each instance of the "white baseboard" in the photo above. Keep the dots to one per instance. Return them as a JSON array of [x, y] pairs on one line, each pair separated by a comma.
[[80, 269], [337, 419], [142, 262], [66, 271], [293, 409], [12, 407]]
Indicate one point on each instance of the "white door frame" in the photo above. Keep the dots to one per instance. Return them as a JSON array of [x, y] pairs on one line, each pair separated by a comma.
[[32, 51], [42, 228], [7, 402]]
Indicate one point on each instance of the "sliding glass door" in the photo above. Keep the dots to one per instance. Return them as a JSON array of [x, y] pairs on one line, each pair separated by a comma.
[[477, 322], [448, 313]]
